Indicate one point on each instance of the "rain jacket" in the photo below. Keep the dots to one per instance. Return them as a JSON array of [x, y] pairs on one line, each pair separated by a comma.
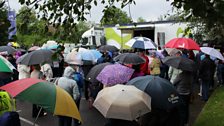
[[173, 72], [24, 71], [47, 71], [66, 82]]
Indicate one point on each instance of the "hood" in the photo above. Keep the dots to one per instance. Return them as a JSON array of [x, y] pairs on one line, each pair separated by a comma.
[[68, 72]]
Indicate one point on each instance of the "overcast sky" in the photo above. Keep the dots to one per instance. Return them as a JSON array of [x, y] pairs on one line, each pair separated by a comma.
[[150, 10]]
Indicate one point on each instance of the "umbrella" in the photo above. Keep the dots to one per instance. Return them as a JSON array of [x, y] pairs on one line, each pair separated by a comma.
[[45, 94], [180, 63], [8, 49], [87, 54], [184, 43], [212, 52], [162, 92], [36, 57], [114, 74], [97, 54], [110, 48], [129, 58], [141, 43], [34, 48], [94, 71], [73, 58], [6, 66], [122, 102]]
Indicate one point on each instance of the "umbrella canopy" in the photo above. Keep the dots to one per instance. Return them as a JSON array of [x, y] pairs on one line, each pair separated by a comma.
[[183, 43], [141, 43], [97, 54], [6, 66], [93, 73], [162, 92], [110, 48], [73, 58], [8, 49], [36, 57], [129, 58], [180, 63], [122, 102], [212, 52], [115, 74], [87, 55], [34, 48], [45, 94]]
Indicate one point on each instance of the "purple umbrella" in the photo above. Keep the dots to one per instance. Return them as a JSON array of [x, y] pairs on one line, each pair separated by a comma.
[[115, 74]]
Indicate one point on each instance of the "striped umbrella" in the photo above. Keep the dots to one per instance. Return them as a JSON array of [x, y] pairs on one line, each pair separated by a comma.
[[45, 94], [141, 43]]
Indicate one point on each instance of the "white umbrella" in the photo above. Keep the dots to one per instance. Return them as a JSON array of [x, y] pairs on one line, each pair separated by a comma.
[[74, 58], [212, 52], [141, 43], [122, 102]]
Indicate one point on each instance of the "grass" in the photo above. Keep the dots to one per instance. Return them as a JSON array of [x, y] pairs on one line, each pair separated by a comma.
[[213, 112]]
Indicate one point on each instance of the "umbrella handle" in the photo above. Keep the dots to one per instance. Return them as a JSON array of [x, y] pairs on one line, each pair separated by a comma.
[[37, 116]]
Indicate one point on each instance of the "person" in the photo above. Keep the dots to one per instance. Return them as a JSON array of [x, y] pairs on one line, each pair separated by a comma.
[[58, 61], [206, 74], [47, 71], [137, 71], [173, 72], [37, 74], [155, 65], [68, 84], [24, 71], [183, 83], [220, 72], [143, 66]]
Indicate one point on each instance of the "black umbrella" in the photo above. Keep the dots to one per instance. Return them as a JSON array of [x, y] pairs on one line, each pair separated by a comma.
[[162, 92], [9, 49], [36, 57], [93, 73], [129, 58], [108, 48], [180, 63]]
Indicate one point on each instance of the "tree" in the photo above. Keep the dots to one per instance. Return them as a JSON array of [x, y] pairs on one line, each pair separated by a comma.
[[4, 24], [53, 10], [114, 15], [141, 19], [207, 15]]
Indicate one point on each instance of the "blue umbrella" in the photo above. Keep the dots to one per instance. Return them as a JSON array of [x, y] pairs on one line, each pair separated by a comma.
[[162, 92], [96, 53]]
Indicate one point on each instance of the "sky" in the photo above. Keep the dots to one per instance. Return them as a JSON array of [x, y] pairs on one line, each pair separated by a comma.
[[150, 10]]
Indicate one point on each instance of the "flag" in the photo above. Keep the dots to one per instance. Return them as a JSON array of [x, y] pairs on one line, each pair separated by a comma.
[[12, 28]]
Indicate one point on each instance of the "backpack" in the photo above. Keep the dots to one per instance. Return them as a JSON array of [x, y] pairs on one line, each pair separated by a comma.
[[6, 103], [79, 79]]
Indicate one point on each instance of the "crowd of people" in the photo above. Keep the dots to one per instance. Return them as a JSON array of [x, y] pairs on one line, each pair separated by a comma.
[[72, 78]]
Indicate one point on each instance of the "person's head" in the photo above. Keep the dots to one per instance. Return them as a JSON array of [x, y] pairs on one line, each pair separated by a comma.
[[68, 72], [178, 53]]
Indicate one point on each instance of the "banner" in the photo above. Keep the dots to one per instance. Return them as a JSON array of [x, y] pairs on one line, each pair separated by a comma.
[[12, 28]]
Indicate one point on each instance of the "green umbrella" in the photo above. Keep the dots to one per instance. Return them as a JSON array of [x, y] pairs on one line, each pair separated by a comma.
[[6, 66]]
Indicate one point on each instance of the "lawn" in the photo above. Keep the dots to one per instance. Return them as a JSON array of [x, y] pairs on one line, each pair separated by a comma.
[[213, 112]]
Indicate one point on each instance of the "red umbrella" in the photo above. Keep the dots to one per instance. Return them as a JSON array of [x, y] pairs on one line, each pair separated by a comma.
[[184, 43]]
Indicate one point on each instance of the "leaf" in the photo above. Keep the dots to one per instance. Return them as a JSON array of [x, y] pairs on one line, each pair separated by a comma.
[[2, 4], [95, 2], [22, 1]]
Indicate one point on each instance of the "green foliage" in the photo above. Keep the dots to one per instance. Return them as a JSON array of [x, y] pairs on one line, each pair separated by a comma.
[[4, 24], [114, 15], [205, 15], [212, 113], [53, 10]]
